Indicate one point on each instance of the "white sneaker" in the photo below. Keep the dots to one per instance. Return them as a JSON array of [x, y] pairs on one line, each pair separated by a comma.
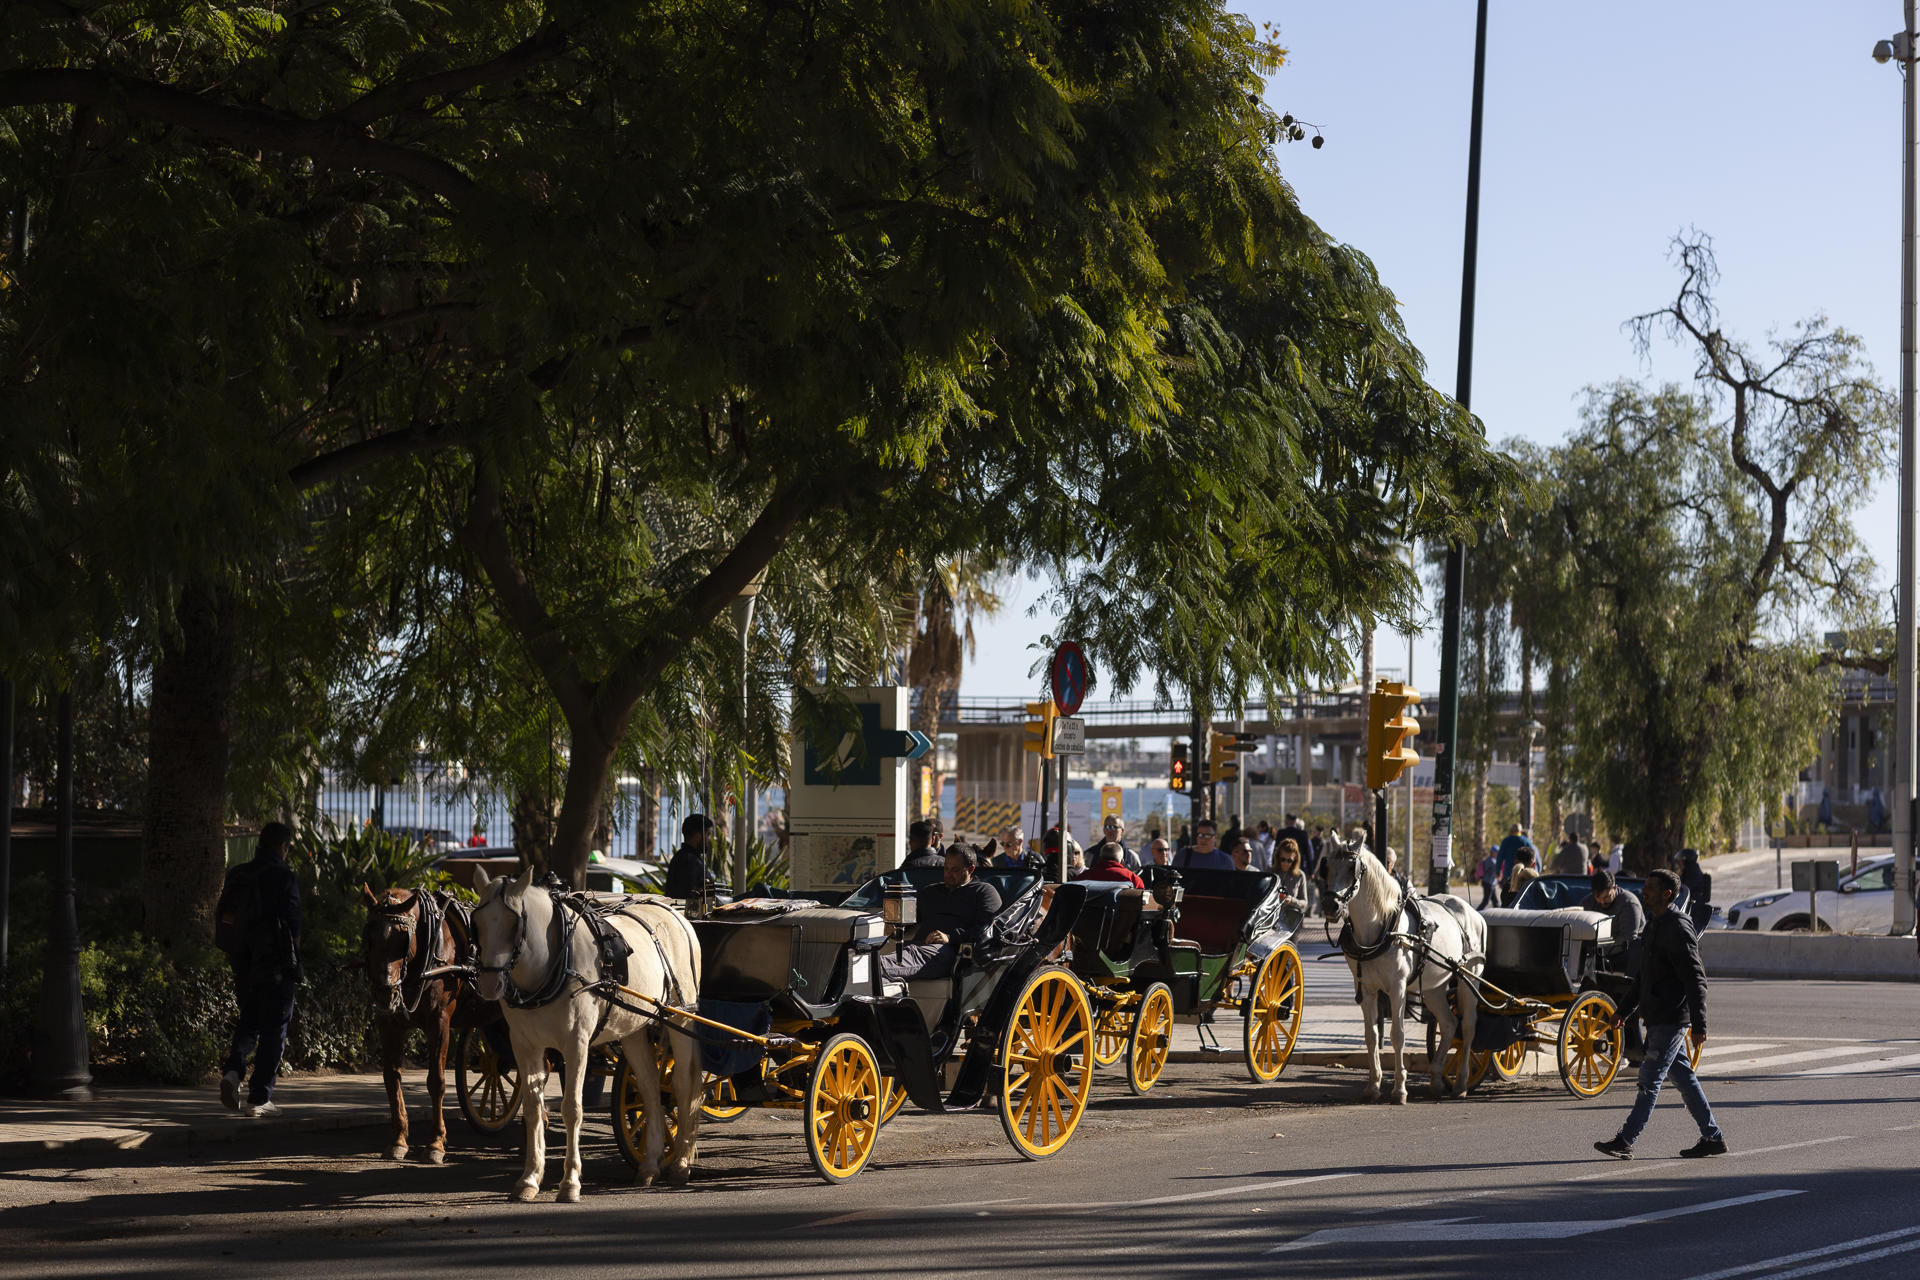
[[230, 1091], [261, 1110]]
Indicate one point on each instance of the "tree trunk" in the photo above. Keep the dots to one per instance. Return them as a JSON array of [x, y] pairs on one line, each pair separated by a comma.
[[1526, 764], [927, 721], [183, 846], [588, 764], [1366, 662], [533, 828], [646, 836]]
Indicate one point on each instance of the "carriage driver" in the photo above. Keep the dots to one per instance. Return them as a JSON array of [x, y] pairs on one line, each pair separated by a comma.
[[958, 909]]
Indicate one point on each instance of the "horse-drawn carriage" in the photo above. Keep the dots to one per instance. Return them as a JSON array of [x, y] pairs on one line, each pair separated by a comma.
[[1552, 979], [795, 1014], [1191, 943]]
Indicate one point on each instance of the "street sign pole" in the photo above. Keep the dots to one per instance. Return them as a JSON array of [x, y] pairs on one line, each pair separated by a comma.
[[1446, 750]]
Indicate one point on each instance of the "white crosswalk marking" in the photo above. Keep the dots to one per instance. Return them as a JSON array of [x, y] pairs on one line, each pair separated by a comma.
[[1712, 1049], [1784, 1059], [1861, 1068]]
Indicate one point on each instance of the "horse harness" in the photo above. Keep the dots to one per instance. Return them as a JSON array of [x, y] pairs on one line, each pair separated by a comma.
[[611, 950], [421, 916]]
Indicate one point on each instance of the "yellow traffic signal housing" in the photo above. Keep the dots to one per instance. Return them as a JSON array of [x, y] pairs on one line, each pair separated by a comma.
[[1223, 762], [1040, 718], [1391, 729], [1177, 767]]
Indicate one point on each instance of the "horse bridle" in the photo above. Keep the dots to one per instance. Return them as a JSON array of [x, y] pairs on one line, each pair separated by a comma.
[[556, 982], [412, 916]]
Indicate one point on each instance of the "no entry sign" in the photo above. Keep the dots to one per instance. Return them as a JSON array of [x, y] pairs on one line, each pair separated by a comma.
[[1069, 677]]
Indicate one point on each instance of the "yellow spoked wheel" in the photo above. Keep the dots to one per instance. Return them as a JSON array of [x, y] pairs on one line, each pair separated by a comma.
[[1046, 1064], [1152, 1039], [720, 1101], [896, 1098], [1589, 1049], [843, 1108], [1508, 1061], [1477, 1066], [1273, 1013], [1111, 1033], [630, 1117], [486, 1083]]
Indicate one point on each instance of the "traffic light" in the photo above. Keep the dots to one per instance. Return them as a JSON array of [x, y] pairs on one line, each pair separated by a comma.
[[1177, 767], [1222, 764], [1390, 732], [1040, 718]]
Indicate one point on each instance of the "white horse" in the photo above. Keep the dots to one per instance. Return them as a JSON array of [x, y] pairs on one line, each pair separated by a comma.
[[1392, 944], [537, 956]]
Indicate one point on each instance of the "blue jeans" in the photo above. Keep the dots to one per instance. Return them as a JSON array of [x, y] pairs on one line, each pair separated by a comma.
[[265, 1010], [1666, 1055]]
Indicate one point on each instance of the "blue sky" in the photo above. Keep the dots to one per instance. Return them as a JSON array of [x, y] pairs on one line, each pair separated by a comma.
[[1609, 128]]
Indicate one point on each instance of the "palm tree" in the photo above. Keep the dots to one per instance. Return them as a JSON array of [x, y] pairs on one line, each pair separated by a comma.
[[940, 613]]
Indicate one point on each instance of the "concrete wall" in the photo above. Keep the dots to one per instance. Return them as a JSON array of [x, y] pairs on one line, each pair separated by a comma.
[[1740, 953]]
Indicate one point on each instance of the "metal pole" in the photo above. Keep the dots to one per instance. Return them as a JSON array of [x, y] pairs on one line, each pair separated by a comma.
[[1240, 782], [1445, 750], [1906, 808], [60, 1040], [1063, 818], [1196, 769], [6, 816], [742, 817], [1046, 800]]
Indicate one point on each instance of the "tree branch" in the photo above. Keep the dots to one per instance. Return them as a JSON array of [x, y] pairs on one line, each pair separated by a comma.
[[349, 458], [485, 535], [330, 144], [542, 45]]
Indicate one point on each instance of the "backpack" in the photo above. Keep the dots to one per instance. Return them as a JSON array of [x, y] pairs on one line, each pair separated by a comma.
[[238, 911]]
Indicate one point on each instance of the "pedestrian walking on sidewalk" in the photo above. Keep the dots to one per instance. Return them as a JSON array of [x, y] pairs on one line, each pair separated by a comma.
[[257, 923], [1671, 997]]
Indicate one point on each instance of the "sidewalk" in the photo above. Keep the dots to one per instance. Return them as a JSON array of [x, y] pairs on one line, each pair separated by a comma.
[[154, 1117], [149, 1117]]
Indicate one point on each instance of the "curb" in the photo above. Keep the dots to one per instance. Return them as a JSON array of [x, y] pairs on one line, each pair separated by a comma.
[[1355, 1057]]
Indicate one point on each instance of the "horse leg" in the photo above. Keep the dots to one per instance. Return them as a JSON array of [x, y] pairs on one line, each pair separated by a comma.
[[393, 1046], [686, 1105], [439, 1031], [1369, 994], [1445, 1027], [638, 1050], [532, 1061], [1469, 1017], [572, 1092], [1399, 1011]]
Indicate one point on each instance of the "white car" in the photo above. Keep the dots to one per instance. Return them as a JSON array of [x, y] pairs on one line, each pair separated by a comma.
[[1863, 905]]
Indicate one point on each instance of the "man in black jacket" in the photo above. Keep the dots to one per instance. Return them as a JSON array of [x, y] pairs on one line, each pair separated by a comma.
[[687, 874], [261, 901], [920, 850], [957, 909], [1671, 996]]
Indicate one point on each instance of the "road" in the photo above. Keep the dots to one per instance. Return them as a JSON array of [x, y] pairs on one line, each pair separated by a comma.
[[1208, 1176]]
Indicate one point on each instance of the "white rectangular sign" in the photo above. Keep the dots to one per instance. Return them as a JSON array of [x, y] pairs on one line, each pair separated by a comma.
[[1069, 736]]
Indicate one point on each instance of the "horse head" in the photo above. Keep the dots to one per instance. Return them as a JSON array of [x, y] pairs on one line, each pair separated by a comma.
[[509, 931], [389, 940]]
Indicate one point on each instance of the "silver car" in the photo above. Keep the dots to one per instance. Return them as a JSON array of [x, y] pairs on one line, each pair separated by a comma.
[[1863, 905]]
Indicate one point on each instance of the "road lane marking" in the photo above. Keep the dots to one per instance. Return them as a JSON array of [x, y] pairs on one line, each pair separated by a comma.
[[1455, 1230], [1788, 1259], [1851, 1260], [1635, 1166], [1220, 1191], [1022, 1205], [1714, 1049], [1782, 1059], [1859, 1068]]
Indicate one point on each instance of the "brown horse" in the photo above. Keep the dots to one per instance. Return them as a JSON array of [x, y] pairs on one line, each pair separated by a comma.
[[409, 934]]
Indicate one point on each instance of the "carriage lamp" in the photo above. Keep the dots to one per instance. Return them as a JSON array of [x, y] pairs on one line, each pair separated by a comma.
[[901, 907]]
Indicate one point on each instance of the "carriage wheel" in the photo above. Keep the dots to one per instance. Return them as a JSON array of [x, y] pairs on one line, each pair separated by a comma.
[[486, 1084], [896, 1099], [1589, 1049], [843, 1107], [1046, 1064], [1273, 1013], [721, 1101], [1477, 1066], [1112, 1032], [1152, 1040], [630, 1118], [1507, 1062], [1693, 1048]]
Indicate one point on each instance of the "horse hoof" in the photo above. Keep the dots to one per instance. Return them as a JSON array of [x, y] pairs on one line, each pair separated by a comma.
[[436, 1156], [677, 1175], [643, 1180], [568, 1195], [1400, 1099], [1370, 1095], [397, 1152], [524, 1193]]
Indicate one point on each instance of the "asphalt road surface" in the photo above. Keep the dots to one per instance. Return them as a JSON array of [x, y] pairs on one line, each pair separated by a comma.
[[1209, 1175]]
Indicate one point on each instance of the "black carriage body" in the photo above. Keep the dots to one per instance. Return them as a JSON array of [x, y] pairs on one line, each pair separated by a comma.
[[812, 972], [1554, 954]]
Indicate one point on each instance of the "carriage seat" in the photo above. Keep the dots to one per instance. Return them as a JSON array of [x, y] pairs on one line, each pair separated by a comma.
[[759, 955], [1216, 904], [1575, 924], [1106, 925]]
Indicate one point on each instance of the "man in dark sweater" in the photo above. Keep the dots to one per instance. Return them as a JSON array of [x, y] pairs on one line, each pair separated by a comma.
[[261, 900], [920, 850], [1671, 996], [687, 873], [958, 909]]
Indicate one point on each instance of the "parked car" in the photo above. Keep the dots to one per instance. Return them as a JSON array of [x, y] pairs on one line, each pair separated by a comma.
[[1864, 904]]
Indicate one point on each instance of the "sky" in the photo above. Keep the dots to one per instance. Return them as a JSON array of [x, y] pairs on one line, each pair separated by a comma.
[[1609, 129]]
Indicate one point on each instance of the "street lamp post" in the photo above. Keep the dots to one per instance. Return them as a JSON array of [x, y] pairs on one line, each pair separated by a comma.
[[1902, 49]]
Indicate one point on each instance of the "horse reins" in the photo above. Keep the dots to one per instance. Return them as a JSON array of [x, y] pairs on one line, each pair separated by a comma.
[[419, 914]]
